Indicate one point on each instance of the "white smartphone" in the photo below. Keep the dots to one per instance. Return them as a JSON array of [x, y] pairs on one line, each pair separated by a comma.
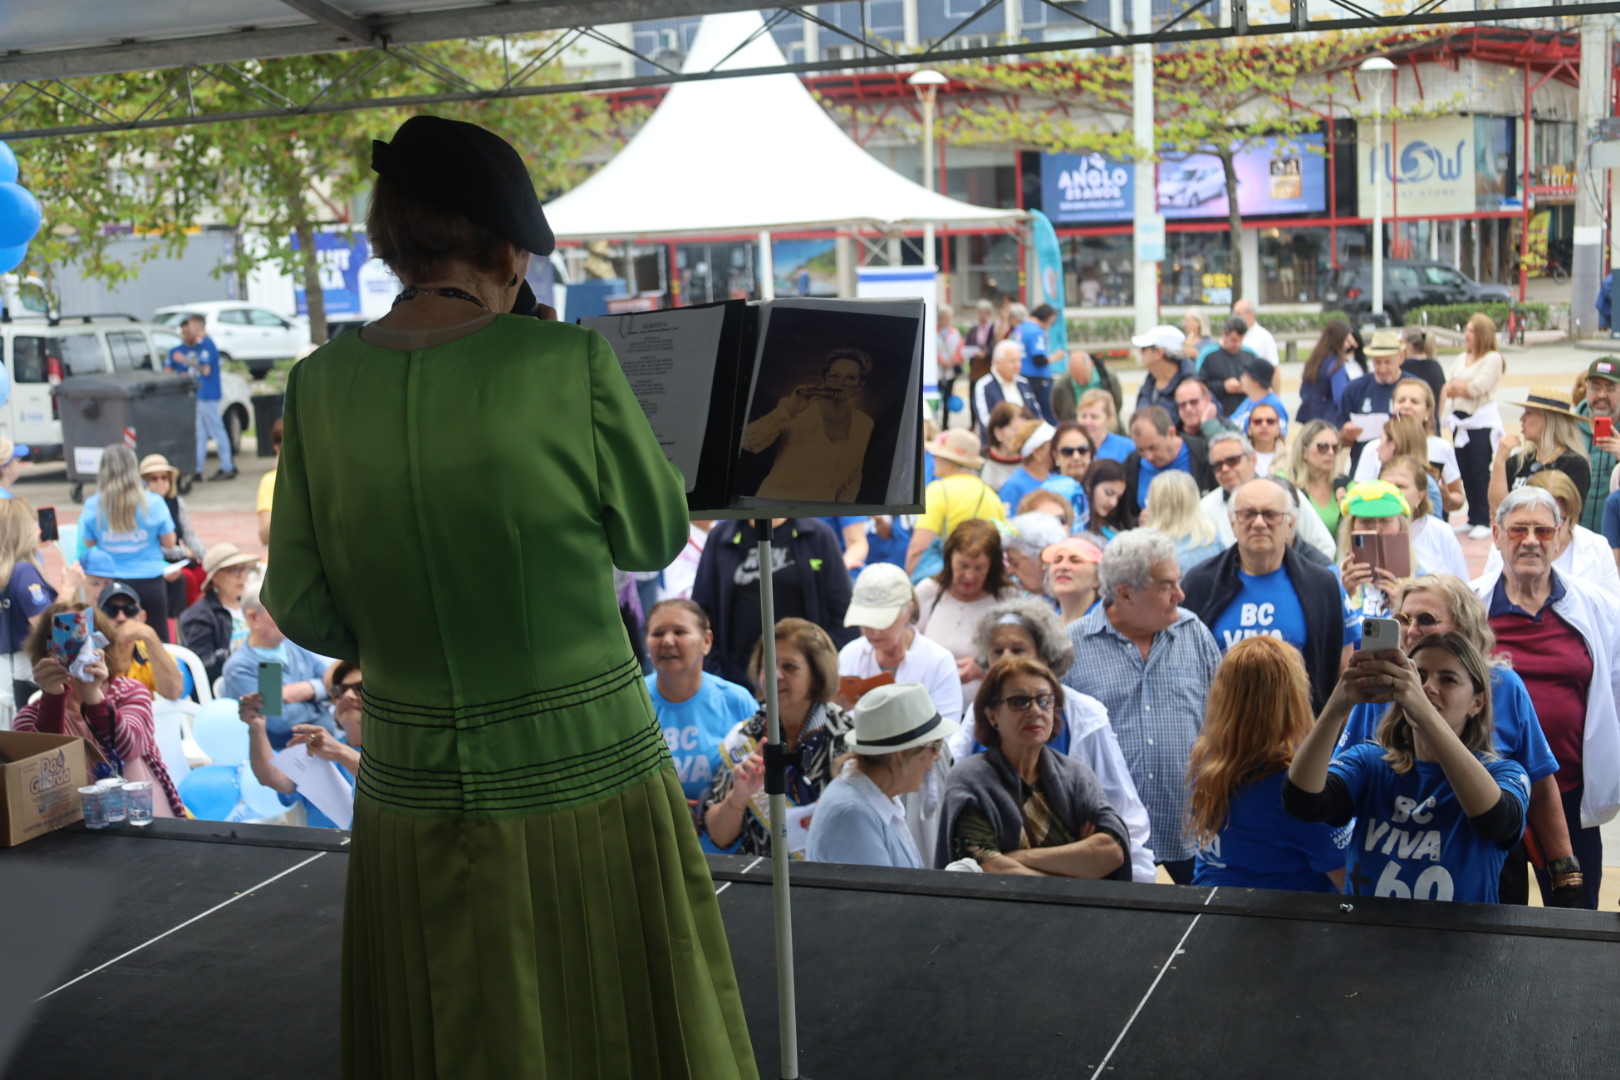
[[1380, 634]]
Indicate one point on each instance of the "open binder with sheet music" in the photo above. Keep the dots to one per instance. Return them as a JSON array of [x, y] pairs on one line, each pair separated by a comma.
[[785, 408]]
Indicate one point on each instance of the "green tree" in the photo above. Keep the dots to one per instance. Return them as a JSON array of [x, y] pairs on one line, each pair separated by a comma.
[[1214, 97], [279, 177]]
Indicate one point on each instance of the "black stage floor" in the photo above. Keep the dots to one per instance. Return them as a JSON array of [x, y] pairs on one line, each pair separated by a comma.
[[218, 959]]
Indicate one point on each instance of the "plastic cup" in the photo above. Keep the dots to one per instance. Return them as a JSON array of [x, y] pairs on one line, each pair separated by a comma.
[[138, 802], [112, 798], [95, 807]]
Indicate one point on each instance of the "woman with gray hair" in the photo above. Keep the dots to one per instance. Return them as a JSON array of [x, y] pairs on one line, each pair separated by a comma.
[[1025, 539], [1030, 629], [133, 525]]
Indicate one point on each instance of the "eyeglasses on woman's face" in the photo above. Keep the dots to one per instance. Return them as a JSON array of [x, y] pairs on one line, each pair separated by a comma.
[[347, 688], [1074, 451], [1025, 702], [1325, 447], [1422, 620]]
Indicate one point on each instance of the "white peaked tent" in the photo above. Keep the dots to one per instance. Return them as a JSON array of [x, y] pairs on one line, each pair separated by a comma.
[[744, 155]]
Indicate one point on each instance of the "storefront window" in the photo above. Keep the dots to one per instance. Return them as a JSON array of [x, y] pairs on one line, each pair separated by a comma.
[[1293, 265], [1197, 270], [1098, 271], [984, 267]]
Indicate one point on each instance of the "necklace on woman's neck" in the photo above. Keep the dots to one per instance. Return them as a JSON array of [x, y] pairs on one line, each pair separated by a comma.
[[411, 292]]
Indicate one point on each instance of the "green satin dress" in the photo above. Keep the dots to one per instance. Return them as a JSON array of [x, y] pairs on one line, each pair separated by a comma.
[[526, 894]]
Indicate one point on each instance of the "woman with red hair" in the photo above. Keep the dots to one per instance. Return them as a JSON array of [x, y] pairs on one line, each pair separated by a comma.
[[1259, 711]]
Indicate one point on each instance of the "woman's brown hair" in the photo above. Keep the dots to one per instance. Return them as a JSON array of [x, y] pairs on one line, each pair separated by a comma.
[[1329, 350], [419, 240], [975, 537], [990, 695], [1259, 711], [819, 652]]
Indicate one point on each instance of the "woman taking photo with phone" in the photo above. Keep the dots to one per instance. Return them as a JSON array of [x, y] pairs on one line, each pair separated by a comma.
[[110, 711], [1375, 545], [1436, 810]]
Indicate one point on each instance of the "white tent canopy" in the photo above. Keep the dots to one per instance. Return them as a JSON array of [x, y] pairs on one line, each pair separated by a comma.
[[744, 155]]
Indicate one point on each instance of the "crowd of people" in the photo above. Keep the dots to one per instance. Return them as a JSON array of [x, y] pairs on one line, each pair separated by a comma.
[[1132, 647], [163, 601], [1123, 647]]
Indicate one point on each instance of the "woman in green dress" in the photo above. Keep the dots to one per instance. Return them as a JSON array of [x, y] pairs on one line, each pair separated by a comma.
[[526, 894]]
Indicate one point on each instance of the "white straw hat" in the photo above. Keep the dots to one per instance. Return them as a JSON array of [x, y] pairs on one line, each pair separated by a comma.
[[897, 717]]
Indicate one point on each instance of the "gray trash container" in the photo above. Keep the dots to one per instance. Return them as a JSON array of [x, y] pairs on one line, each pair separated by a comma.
[[97, 410]]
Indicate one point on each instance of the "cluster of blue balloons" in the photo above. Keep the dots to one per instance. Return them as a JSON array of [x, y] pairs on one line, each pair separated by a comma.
[[20, 214]]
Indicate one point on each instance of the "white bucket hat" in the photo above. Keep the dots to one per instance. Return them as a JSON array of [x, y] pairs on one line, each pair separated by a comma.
[[898, 717]]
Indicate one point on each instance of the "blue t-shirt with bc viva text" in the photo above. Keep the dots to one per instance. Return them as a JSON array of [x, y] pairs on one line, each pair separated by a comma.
[[1265, 604], [1518, 734], [1412, 839], [695, 728], [137, 553], [190, 359], [1264, 847], [1144, 477]]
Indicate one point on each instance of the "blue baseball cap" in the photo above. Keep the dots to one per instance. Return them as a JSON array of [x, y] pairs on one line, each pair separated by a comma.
[[97, 563]]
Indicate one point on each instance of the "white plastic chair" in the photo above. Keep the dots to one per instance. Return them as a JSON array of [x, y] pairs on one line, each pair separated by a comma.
[[168, 719], [199, 674], [219, 687]]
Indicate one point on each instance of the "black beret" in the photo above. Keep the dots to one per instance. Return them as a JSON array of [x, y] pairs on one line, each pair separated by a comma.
[[470, 170]]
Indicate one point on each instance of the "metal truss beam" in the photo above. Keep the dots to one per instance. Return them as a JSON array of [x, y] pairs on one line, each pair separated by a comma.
[[48, 74]]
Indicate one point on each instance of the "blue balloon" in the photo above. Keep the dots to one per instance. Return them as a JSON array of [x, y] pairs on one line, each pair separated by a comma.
[[19, 215], [954, 403], [211, 792], [12, 257], [8, 165]]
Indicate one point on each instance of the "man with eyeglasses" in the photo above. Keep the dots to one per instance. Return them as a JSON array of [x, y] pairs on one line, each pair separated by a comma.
[[1231, 460], [149, 662], [1261, 585], [1564, 638], [1197, 412], [1150, 663]]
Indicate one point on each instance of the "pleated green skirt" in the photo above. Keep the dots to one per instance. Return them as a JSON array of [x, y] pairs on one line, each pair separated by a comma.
[[577, 944]]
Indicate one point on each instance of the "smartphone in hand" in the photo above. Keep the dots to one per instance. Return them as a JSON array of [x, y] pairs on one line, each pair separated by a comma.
[[1603, 427], [47, 524], [1380, 634], [270, 688]]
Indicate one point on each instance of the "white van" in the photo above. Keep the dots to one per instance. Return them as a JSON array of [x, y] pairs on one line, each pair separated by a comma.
[[39, 353]]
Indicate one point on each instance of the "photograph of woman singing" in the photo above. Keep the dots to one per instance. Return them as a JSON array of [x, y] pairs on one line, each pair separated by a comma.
[[825, 416]]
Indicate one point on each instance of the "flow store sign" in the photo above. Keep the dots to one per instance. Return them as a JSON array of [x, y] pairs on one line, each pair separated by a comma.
[[1427, 165]]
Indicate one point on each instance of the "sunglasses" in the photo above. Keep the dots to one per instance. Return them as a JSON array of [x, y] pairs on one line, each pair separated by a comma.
[[128, 611], [1226, 463], [1270, 421], [1543, 533], [1023, 702], [1422, 619], [1324, 447], [350, 688], [1071, 451]]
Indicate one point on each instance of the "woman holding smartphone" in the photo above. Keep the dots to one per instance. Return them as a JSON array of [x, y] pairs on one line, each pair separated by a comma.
[[1375, 545], [1436, 810]]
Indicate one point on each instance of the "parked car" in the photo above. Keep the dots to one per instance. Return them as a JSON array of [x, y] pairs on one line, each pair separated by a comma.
[[1186, 186], [247, 332], [1409, 284], [40, 353]]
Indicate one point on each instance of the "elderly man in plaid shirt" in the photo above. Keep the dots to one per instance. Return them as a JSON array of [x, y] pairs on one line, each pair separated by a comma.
[[1151, 664]]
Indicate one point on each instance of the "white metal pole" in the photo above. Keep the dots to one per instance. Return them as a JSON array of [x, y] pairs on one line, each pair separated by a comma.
[[767, 268], [1149, 238], [1378, 210], [928, 171], [786, 1005]]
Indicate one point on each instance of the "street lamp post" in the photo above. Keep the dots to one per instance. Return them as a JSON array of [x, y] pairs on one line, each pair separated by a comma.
[[1377, 71], [927, 83]]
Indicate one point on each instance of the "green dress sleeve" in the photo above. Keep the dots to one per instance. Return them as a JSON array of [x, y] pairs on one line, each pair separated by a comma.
[[296, 591], [974, 837], [643, 496]]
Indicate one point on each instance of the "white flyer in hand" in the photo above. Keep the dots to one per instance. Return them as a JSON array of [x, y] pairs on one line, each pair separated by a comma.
[[320, 782]]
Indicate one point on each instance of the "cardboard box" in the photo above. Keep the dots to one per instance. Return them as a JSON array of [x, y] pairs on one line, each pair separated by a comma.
[[40, 778]]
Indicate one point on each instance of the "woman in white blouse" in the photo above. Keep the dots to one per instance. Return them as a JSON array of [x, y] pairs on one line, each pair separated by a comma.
[[1471, 391], [950, 603]]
